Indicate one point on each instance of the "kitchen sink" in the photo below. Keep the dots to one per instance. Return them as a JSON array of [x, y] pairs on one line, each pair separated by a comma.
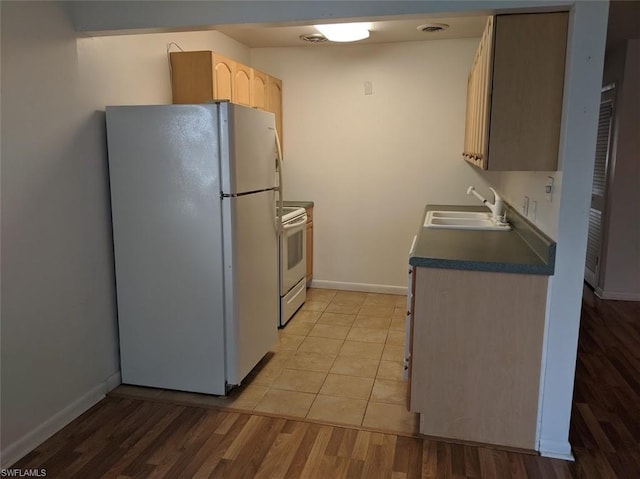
[[464, 220], [460, 214]]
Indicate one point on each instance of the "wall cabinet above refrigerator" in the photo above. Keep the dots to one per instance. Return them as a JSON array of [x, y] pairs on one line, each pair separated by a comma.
[[205, 76]]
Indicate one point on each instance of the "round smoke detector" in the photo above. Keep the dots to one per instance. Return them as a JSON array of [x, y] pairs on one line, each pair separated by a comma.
[[432, 27], [313, 38]]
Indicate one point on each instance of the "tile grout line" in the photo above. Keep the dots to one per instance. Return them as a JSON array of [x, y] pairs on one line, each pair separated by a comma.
[[327, 375], [338, 355]]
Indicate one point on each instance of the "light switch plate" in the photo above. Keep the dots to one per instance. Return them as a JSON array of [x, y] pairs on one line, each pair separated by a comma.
[[534, 210]]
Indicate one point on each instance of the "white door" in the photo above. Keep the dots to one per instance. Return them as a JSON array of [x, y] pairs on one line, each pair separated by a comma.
[[599, 188]]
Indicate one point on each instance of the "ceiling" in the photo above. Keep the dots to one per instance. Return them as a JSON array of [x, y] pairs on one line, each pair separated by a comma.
[[624, 23], [382, 31]]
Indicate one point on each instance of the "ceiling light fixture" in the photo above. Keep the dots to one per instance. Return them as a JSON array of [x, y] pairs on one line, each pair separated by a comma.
[[345, 32], [313, 38]]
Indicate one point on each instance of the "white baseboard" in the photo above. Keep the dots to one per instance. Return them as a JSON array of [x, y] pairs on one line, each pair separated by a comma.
[[113, 382], [617, 296], [363, 287], [27, 443], [556, 450]]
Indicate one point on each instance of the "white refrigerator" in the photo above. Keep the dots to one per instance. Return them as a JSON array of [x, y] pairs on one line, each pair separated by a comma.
[[193, 202]]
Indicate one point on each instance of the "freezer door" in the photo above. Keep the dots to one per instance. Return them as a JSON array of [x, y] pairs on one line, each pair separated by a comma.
[[251, 280], [248, 149], [166, 210]]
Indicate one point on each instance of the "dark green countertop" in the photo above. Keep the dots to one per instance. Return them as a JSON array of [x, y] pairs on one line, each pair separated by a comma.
[[301, 204], [524, 249]]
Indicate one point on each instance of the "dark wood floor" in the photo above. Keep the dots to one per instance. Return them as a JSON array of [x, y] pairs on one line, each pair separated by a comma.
[[605, 420], [130, 438]]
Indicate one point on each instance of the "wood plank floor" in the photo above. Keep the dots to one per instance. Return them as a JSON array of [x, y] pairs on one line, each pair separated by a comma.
[[131, 438], [605, 420]]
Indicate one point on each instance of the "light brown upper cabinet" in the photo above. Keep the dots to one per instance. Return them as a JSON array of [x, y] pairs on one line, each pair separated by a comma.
[[223, 77], [514, 94], [274, 103], [478, 97], [259, 90], [199, 77], [242, 84]]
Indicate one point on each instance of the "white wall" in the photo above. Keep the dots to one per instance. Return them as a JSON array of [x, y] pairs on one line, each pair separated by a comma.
[[58, 311], [620, 273], [515, 185], [59, 332], [134, 69], [371, 162], [581, 102]]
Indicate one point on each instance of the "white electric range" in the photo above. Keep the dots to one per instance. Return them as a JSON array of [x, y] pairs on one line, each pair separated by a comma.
[[293, 262]]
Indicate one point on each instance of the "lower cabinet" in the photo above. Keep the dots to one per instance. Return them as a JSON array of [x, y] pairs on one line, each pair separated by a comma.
[[408, 341], [475, 354], [309, 210]]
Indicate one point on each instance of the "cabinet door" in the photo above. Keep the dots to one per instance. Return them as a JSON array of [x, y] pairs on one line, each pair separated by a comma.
[[478, 101], [476, 355], [528, 82], [309, 246], [259, 89], [274, 104], [466, 151], [411, 290], [514, 95], [485, 72], [191, 77], [242, 84], [223, 69]]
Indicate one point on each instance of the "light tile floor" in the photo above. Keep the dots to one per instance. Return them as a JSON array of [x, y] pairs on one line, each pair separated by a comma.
[[338, 360]]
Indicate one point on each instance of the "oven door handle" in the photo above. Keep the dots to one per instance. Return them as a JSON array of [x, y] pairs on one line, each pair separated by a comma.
[[300, 222]]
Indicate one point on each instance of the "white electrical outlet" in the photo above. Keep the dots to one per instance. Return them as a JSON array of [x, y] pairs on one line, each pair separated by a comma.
[[368, 87], [548, 188], [525, 206]]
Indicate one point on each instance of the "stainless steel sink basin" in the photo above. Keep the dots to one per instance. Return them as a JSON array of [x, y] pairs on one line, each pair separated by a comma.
[[460, 214], [464, 220]]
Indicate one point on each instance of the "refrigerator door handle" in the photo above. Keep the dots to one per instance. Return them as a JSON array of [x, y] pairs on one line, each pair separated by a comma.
[[279, 210], [279, 164], [278, 145]]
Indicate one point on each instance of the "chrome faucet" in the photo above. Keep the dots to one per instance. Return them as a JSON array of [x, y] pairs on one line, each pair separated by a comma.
[[497, 208]]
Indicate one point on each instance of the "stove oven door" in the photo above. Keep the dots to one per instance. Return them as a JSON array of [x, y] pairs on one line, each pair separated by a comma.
[[293, 265]]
